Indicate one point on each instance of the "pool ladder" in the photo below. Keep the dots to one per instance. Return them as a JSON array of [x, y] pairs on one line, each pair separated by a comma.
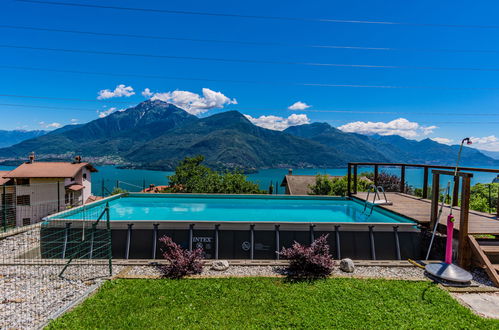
[[376, 191]]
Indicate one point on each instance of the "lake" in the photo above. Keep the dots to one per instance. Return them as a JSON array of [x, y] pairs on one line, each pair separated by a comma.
[[135, 180]]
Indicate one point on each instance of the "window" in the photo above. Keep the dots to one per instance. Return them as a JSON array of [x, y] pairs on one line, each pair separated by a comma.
[[26, 221], [24, 200], [84, 176], [24, 182]]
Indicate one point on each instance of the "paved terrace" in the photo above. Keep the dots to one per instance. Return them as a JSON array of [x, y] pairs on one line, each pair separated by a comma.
[[419, 209]]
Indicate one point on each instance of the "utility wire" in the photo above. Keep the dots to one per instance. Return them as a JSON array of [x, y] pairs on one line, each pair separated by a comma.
[[252, 82], [229, 60], [275, 110], [248, 43], [260, 17], [60, 98]]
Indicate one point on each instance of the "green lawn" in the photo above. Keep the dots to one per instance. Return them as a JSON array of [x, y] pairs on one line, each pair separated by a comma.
[[270, 303]]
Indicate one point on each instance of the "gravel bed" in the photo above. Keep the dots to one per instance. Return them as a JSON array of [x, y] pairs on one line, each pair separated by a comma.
[[30, 294], [480, 278]]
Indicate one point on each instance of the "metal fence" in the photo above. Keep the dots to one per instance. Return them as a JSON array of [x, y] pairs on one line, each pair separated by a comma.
[[45, 265]]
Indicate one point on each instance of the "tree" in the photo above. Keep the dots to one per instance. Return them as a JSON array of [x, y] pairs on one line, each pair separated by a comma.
[[325, 185], [193, 177]]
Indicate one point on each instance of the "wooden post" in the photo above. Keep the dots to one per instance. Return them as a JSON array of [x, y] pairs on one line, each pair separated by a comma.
[[455, 192], [497, 206], [435, 194], [402, 179], [349, 176], [376, 175], [464, 250], [425, 182], [355, 179]]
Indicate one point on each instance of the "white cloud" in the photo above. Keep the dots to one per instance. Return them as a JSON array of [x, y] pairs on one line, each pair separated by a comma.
[[120, 91], [443, 140], [147, 93], [193, 103], [400, 126], [50, 125], [106, 113], [490, 143], [74, 121], [279, 123], [299, 106]]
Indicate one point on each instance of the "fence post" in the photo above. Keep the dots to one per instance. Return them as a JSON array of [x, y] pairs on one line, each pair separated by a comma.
[[355, 179], [102, 188], [402, 179], [349, 177], [376, 168], [425, 182], [435, 196], [497, 206], [109, 241], [4, 208], [58, 196], [464, 250]]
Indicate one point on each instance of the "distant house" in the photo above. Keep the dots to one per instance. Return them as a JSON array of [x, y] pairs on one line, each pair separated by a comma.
[[38, 189], [299, 184], [154, 189]]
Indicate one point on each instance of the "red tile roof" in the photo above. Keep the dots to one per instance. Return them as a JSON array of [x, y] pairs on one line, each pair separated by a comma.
[[48, 170], [2, 179]]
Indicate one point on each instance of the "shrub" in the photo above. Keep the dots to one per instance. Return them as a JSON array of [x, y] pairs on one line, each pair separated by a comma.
[[191, 176], [325, 185], [181, 262], [312, 261]]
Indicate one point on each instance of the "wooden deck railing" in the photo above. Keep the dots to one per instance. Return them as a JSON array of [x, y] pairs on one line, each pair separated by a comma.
[[353, 176]]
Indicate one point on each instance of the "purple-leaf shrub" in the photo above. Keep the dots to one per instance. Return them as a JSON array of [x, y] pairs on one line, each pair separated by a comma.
[[312, 261], [181, 262]]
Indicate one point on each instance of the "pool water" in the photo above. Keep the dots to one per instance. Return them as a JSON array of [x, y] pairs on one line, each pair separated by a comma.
[[140, 207]]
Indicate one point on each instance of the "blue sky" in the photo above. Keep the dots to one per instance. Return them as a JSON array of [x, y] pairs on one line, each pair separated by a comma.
[[426, 112]]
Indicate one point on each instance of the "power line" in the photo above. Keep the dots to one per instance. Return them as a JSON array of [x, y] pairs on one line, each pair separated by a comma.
[[275, 110], [248, 43], [253, 82], [60, 98], [260, 17], [229, 60]]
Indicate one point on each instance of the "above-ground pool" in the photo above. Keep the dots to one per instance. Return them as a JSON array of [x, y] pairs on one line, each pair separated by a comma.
[[235, 208], [239, 226]]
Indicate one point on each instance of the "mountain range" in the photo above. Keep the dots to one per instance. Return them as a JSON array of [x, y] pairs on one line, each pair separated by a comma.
[[156, 135], [8, 138]]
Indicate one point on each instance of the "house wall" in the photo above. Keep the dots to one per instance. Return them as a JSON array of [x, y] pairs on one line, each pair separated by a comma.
[[7, 211], [87, 191], [45, 199]]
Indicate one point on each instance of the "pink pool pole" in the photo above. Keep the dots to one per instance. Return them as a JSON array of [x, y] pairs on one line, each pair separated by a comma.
[[448, 243]]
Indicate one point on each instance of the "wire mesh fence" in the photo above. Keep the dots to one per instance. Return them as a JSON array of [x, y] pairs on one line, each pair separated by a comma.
[[47, 263]]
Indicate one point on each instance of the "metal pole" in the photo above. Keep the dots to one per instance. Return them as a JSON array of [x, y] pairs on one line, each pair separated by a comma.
[[397, 242], [490, 198], [109, 239], [312, 238], [217, 229], [349, 177], [94, 226], [65, 244], [371, 239], [58, 196], [128, 240], [154, 239], [252, 241], [191, 235], [277, 243], [337, 234], [102, 188], [425, 182], [4, 208]]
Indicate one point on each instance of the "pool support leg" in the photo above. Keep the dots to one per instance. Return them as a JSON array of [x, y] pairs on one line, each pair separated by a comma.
[[154, 240], [217, 230], [277, 243], [252, 242], [312, 238], [191, 235], [371, 239], [66, 235], [397, 242], [337, 234], [128, 240]]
